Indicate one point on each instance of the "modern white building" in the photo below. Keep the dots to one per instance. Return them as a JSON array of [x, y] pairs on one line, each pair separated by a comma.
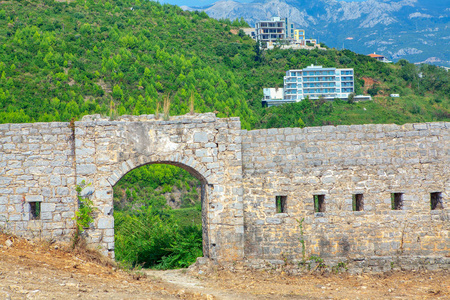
[[273, 30], [315, 82], [273, 93]]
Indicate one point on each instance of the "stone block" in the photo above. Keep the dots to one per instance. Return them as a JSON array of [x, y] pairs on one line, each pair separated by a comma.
[[201, 152], [87, 169], [48, 207], [200, 137], [273, 221], [34, 198], [62, 191], [46, 215], [55, 180], [105, 223], [68, 215]]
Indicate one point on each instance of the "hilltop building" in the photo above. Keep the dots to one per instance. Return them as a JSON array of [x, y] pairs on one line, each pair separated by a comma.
[[250, 32], [282, 33], [299, 35], [273, 93], [274, 30], [379, 57], [314, 82]]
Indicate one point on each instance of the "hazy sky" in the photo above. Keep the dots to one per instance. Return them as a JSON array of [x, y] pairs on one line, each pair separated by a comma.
[[207, 2]]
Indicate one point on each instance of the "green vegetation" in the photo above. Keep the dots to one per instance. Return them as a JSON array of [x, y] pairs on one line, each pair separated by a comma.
[[148, 232], [83, 216], [60, 60]]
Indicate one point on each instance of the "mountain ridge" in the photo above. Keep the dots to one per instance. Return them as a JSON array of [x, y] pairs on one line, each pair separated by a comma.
[[410, 29]]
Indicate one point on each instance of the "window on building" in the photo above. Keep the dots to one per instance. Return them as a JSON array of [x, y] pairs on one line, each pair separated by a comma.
[[319, 203], [436, 201], [280, 202], [397, 201], [358, 202], [35, 210]]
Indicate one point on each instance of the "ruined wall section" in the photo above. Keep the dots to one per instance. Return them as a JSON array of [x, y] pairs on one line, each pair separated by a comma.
[[208, 147], [37, 172], [337, 162]]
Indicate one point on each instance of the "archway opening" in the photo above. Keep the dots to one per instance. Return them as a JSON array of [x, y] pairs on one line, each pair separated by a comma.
[[158, 216]]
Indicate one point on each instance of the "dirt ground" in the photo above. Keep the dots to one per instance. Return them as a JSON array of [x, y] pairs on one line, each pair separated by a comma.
[[41, 270]]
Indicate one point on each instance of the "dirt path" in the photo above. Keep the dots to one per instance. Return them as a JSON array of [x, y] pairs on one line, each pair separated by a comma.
[[45, 271], [246, 284], [182, 280]]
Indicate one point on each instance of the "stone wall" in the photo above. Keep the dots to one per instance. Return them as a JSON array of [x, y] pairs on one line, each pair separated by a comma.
[[37, 166], [337, 162], [242, 173]]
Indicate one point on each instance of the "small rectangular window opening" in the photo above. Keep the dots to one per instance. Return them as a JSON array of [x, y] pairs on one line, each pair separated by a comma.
[[281, 204], [436, 201], [397, 201], [35, 210], [358, 202], [319, 203]]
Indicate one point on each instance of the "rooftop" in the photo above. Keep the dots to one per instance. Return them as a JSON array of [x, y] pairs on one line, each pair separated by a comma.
[[375, 55]]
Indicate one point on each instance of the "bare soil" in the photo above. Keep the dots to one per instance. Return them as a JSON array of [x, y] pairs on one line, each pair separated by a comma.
[[41, 270]]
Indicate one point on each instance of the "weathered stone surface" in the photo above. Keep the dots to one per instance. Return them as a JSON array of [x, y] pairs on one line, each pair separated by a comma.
[[105, 223], [242, 172], [363, 159]]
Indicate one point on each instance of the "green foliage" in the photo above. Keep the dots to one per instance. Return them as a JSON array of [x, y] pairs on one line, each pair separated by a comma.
[[302, 239], [316, 203], [150, 233], [83, 216], [341, 266], [100, 52], [373, 91], [184, 249], [319, 261]]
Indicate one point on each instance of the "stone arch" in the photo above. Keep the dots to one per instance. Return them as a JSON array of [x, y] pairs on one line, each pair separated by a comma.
[[187, 163], [207, 147], [184, 163]]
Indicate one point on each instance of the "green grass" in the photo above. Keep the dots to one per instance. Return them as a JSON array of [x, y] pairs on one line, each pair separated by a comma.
[[188, 216]]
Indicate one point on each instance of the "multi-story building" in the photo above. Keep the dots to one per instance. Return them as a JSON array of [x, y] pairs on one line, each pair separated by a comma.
[[299, 35], [315, 82], [274, 30]]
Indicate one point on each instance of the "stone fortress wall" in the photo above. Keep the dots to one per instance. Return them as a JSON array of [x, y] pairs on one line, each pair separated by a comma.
[[243, 173], [37, 166], [338, 162]]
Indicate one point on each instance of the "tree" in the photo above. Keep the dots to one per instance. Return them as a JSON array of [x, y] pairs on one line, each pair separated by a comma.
[[351, 98], [258, 51], [117, 92]]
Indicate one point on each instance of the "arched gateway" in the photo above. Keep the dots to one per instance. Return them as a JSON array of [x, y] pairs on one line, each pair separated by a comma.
[[204, 146]]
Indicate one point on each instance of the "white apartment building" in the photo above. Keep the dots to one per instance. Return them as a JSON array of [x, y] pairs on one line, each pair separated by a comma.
[[315, 82]]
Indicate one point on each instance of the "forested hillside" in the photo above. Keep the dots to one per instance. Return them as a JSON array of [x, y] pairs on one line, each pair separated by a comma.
[[60, 60]]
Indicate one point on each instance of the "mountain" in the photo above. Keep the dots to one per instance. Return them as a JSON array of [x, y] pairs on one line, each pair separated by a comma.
[[417, 30]]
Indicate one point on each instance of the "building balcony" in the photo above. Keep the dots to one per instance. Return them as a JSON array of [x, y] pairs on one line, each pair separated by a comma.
[[317, 80]]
